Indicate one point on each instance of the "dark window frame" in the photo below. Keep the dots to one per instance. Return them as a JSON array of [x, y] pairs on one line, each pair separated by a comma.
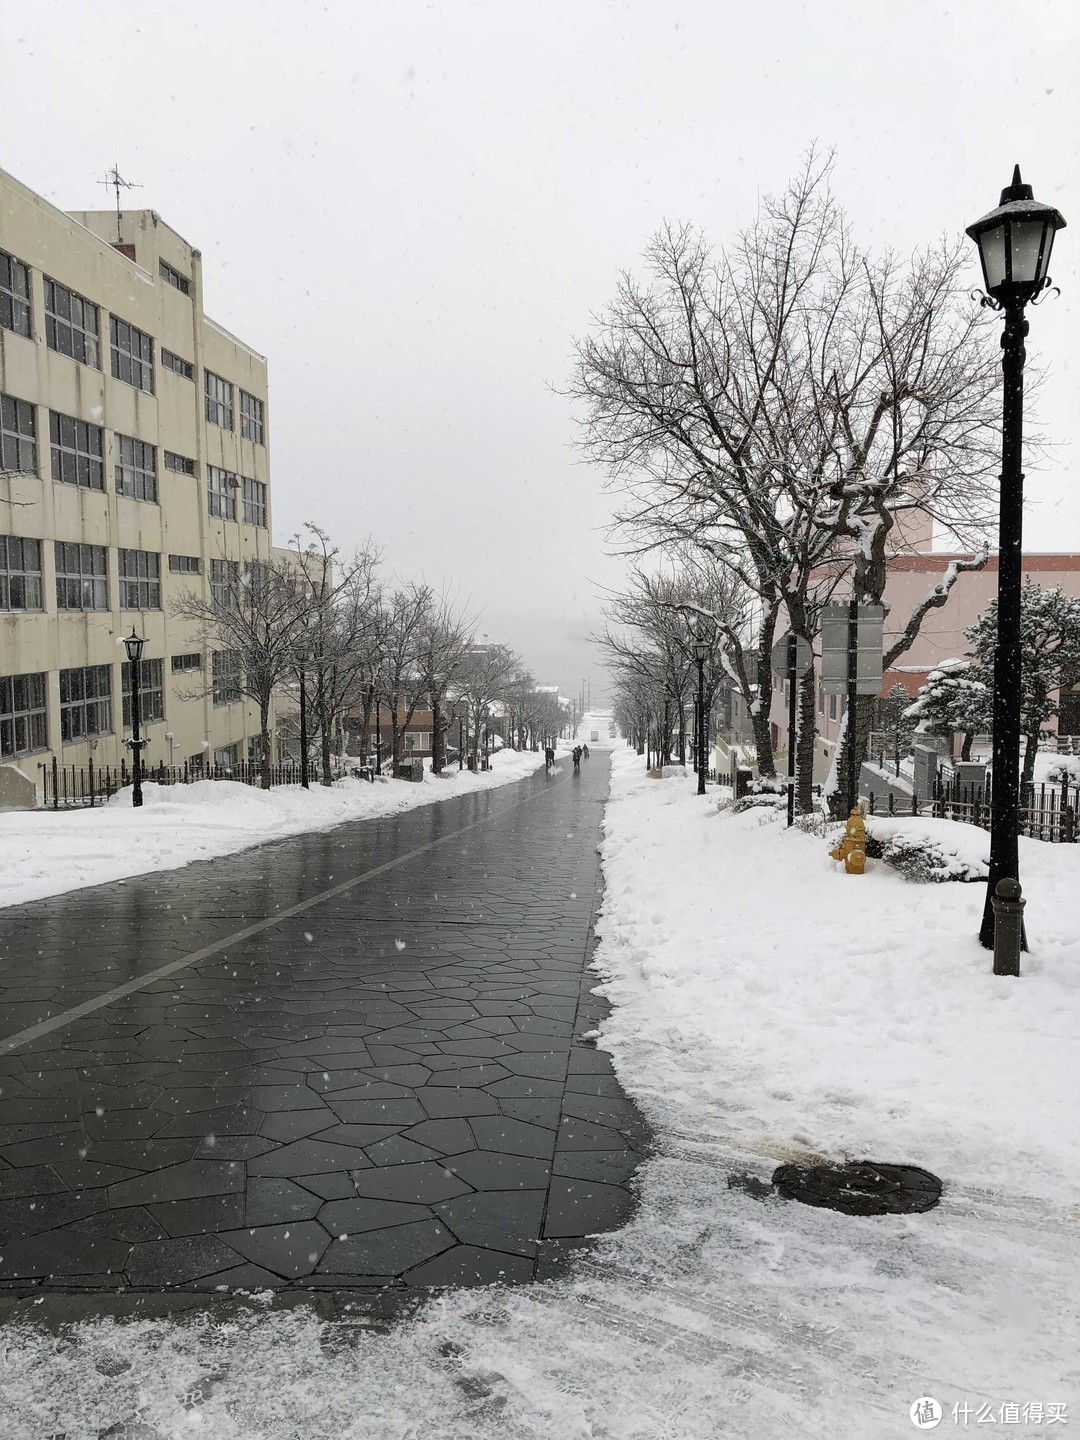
[[132, 352], [82, 576], [252, 418], [77, 451], [14, 295], [21, 580], [254, 497], [226, 677], [24, 713], [177, 364], [139, 572], [18, 435], [185, 565], [176, 278], [86, 707], [219, 400], [188, 662], [221, 487], [151, 692], [178, 464], [135, 469], [68, 327]]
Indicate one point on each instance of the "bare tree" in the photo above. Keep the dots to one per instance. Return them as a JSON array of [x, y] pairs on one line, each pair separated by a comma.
[[789, 405], [250, 623], [443, 656], [485, 682], [339, 630], [402, 678]]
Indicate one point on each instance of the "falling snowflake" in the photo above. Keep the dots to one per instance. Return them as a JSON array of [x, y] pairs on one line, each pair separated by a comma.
[[399, 944]]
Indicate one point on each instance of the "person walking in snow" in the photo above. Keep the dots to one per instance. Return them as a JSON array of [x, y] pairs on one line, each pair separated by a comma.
[[549, 758], [584, 752], [577, 758]]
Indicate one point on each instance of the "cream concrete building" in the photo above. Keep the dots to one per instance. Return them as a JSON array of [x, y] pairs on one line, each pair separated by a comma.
[[134, 466]]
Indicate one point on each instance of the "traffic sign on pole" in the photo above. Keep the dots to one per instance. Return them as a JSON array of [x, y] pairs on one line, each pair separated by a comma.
[[836, 659], [804, 655]]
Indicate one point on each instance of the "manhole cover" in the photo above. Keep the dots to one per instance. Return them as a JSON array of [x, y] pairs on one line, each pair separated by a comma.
[[861, 1188]]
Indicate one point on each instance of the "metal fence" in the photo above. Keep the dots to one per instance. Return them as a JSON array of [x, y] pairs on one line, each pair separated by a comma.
[[1046, 812], [66, 785]]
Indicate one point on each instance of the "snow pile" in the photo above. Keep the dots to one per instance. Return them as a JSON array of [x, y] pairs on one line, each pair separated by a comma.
[[46, 852], [924, 849]]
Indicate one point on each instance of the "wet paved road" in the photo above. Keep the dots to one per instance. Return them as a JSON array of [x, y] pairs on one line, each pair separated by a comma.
[[358, 1069]]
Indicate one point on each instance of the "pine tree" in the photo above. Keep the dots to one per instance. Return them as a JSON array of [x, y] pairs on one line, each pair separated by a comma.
[[954, 700], [1050, 647]]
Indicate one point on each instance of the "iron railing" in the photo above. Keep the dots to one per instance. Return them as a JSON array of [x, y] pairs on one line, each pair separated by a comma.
[[66, 785], [1046, 812]]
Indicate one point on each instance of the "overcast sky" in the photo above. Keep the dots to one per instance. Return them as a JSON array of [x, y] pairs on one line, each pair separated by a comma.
[[411, 209]]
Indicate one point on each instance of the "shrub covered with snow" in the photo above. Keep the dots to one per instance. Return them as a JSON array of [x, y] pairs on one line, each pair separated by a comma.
[[929, 851]]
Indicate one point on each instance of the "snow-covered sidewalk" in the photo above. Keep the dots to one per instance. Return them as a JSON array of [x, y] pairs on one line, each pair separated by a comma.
[[767, 1006], [45, 852]]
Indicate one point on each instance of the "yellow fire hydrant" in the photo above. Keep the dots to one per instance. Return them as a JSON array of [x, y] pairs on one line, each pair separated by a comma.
[[852, 848]]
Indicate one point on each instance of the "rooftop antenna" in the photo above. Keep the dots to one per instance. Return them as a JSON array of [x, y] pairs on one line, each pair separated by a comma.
[[115, 181]]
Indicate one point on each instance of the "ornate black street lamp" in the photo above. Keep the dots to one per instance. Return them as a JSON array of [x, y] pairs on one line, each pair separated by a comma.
[[701, 649], [133, 644], [378, 736], [1015, 242], [460, 743]]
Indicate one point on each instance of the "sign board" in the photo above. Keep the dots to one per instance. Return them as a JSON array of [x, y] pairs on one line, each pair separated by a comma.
[[870, 633], [804, 655]]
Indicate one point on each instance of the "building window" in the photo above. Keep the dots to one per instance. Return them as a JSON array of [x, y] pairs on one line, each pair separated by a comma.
[[82, 578], [227, 757], [181, 664], [226, 677], [254, 492], [417, 740], [219, 401], [177, 364], [140, 579], [151, 691], [72, 324], [85, 702], [132, 355], [180, 463], [185, 564], [174, 278], [225, 583], [18, 435], [77, 452], [221, 489], [20, 574], [14, 295], [251, 418], [22, 714], [832, 707], [136, 469]]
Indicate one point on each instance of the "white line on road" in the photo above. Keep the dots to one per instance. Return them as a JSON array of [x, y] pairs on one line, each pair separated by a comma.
[[65, 1017]]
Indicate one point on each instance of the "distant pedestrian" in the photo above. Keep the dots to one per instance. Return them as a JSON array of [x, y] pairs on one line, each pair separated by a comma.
[[549, 758], [577, 757], [585, 752]]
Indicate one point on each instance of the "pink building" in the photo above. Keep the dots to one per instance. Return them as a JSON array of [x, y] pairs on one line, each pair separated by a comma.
[[911, 577]]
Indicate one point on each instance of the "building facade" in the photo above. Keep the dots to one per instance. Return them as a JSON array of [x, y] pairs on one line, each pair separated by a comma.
[[134, 467]]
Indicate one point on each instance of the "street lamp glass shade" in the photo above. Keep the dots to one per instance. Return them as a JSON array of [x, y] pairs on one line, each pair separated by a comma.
[[1015, 242], [133, 644], [701, 649]]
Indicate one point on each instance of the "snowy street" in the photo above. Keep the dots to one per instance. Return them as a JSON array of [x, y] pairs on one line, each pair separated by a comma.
[[755, 1019]]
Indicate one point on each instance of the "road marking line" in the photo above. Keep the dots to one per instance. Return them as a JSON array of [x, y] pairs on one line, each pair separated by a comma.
[[54, 1022]]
